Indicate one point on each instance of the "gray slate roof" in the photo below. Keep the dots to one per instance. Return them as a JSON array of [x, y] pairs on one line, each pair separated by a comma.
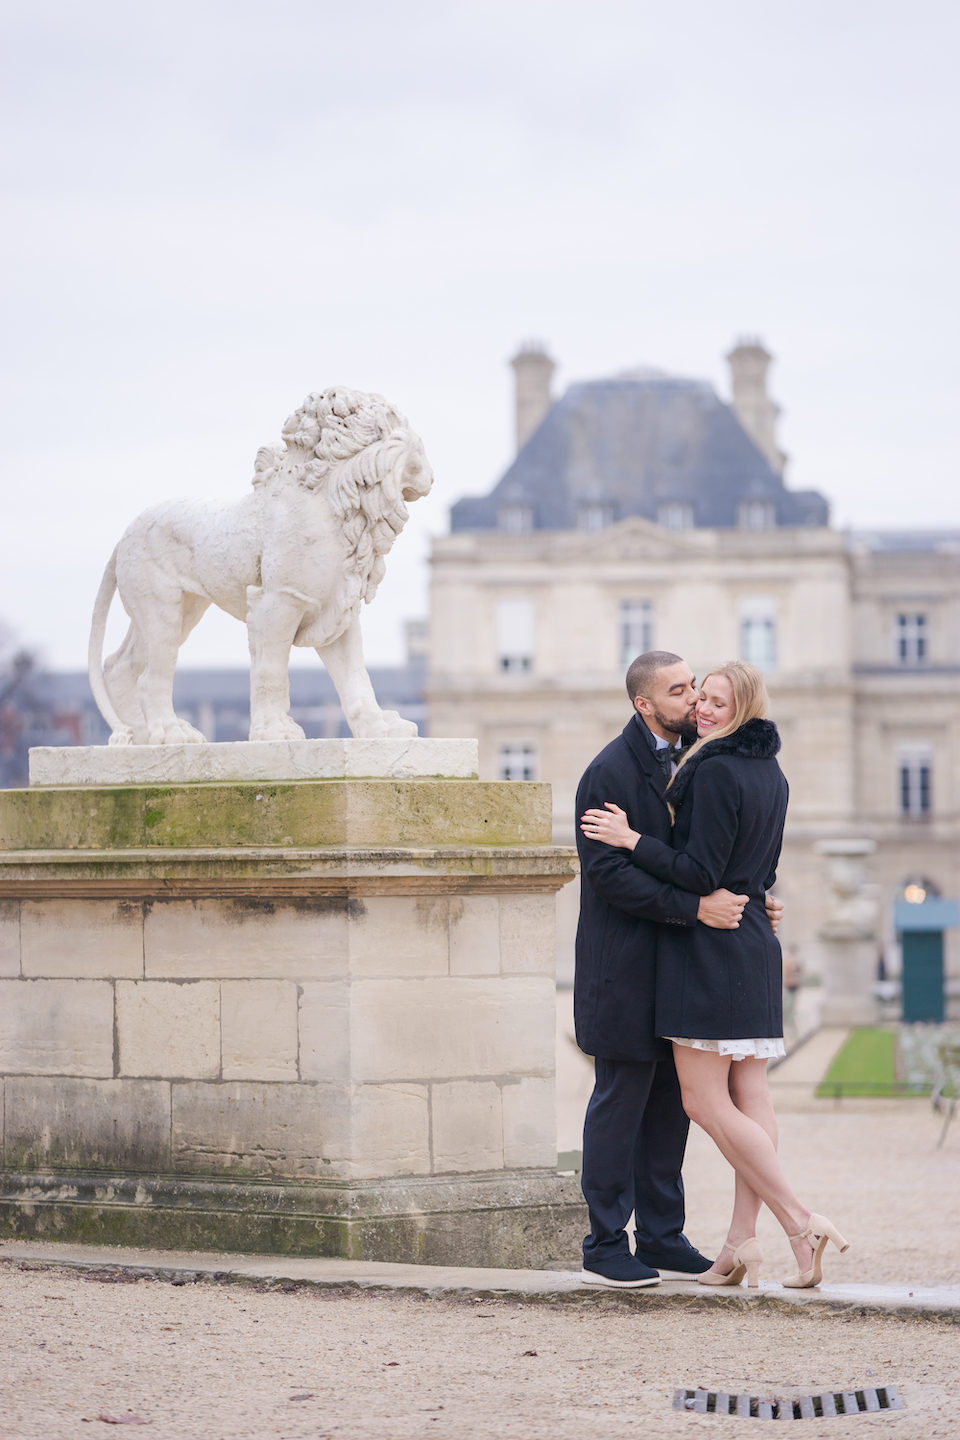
[[634, 444]]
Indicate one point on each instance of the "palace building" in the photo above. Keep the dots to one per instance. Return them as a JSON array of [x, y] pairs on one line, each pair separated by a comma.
[[644, 511]]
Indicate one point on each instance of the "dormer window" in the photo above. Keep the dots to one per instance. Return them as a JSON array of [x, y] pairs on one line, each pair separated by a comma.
[[757, 515], [675, 515], [515, 519], [594, 515]]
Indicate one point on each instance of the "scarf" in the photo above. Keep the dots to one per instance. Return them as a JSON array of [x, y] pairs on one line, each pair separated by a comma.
[[757, 740]]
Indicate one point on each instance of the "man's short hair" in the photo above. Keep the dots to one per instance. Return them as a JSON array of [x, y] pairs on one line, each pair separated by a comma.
[[643, 670]]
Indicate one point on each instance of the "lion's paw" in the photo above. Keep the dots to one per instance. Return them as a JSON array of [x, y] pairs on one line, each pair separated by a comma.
[[397, 727], [123, 736], [176, 732], [278, 727], [388, 725]]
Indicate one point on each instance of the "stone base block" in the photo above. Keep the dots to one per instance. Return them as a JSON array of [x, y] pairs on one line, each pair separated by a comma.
[[511, 1220], [403, 759], [291, 815]]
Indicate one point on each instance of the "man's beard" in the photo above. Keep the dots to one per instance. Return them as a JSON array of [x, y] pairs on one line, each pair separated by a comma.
[[686, 729]]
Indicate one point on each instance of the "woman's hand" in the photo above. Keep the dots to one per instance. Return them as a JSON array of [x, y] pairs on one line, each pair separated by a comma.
[[609, 826]]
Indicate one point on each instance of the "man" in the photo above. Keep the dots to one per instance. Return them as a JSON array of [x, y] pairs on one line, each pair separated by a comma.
[[635, 1131]]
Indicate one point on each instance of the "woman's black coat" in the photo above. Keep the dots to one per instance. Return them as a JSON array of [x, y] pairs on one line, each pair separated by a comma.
[[730, 801], [623, 909]]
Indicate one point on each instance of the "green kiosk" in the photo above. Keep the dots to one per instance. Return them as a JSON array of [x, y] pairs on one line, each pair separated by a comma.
[[920, 927]]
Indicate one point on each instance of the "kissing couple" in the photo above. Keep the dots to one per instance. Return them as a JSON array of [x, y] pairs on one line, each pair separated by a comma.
[[678, 991]]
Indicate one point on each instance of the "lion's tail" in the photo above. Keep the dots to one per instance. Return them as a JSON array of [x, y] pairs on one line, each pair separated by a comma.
[[121, 734]]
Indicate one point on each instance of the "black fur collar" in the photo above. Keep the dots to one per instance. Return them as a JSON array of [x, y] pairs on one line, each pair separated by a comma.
[[757, 740]]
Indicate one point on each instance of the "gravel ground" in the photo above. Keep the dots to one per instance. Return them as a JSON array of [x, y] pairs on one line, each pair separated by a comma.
[[872, 1166], [878, 1176], [227, 1361]]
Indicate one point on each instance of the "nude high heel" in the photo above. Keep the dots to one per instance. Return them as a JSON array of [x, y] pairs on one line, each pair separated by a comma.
[[747, 1259], [818, 1232]]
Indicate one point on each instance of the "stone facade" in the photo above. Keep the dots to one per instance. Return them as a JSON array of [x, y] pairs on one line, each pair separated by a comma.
[[317, 1017], [859, 635]]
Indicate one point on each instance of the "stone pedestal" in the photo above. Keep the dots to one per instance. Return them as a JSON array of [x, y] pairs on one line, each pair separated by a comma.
[[851, 971], [304, 1016], [849, 937]]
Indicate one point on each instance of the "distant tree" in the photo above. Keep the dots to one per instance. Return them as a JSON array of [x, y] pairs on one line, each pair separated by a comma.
[[23, 715]]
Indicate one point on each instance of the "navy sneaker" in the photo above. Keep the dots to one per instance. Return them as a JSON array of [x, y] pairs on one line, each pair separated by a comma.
[[679, 1262], [619, 1272]]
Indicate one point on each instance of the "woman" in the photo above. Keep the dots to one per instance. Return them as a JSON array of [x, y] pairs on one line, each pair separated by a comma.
[[729, 799]]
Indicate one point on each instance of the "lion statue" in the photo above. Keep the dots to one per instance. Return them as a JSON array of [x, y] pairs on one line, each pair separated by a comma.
[[293, 560]]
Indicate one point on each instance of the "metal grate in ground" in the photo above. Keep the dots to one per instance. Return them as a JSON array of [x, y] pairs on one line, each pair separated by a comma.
[[807, 1407]]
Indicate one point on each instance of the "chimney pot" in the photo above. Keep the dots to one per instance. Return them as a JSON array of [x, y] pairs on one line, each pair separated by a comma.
[[533, 369], [749, 361]]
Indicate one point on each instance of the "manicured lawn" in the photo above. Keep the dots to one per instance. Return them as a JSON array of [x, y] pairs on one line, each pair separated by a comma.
[[867, 1065]]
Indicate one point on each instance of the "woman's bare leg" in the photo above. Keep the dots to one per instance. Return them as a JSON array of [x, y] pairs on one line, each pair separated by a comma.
[[750, 1093], [705, 1084]]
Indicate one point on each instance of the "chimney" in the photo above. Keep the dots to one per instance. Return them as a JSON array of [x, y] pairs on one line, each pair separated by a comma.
[[533, 369], [749, 362]]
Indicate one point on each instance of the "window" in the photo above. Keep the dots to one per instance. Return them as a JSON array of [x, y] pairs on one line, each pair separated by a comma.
[[515, 519], [515, 635], [594, 516], [757, 515], [675, 516], [758, 631], [418, 639], [910, 639], [518, 761], [636, 629], [915, 768]]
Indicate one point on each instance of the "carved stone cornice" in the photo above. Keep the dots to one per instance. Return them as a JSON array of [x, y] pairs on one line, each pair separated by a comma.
[[279, 873]]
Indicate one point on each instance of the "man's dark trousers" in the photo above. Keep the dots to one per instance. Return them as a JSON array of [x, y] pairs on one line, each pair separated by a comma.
[[633, 1145]]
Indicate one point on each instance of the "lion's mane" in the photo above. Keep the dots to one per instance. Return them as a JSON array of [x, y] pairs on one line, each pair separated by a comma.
[[359, 444]]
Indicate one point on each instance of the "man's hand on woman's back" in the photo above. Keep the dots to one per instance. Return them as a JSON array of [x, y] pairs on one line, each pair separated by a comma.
[[721, 910], [774, 908]]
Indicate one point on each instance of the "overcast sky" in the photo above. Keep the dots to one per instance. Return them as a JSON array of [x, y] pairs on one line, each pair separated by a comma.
[[214, 207]]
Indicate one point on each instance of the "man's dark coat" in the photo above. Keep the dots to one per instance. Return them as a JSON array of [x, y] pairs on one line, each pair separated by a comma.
[[622, 906]]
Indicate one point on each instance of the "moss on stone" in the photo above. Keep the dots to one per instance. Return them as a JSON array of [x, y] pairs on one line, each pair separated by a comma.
[[304, 813], [502, 1231]]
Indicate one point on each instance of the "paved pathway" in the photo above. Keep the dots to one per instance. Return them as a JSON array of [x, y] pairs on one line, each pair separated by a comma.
[[931, 1302]]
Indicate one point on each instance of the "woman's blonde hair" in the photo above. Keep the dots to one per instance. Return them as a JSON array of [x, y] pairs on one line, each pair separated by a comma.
[[750, 701]]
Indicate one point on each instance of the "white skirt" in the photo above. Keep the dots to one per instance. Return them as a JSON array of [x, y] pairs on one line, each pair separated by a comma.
[[736, 1049]]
